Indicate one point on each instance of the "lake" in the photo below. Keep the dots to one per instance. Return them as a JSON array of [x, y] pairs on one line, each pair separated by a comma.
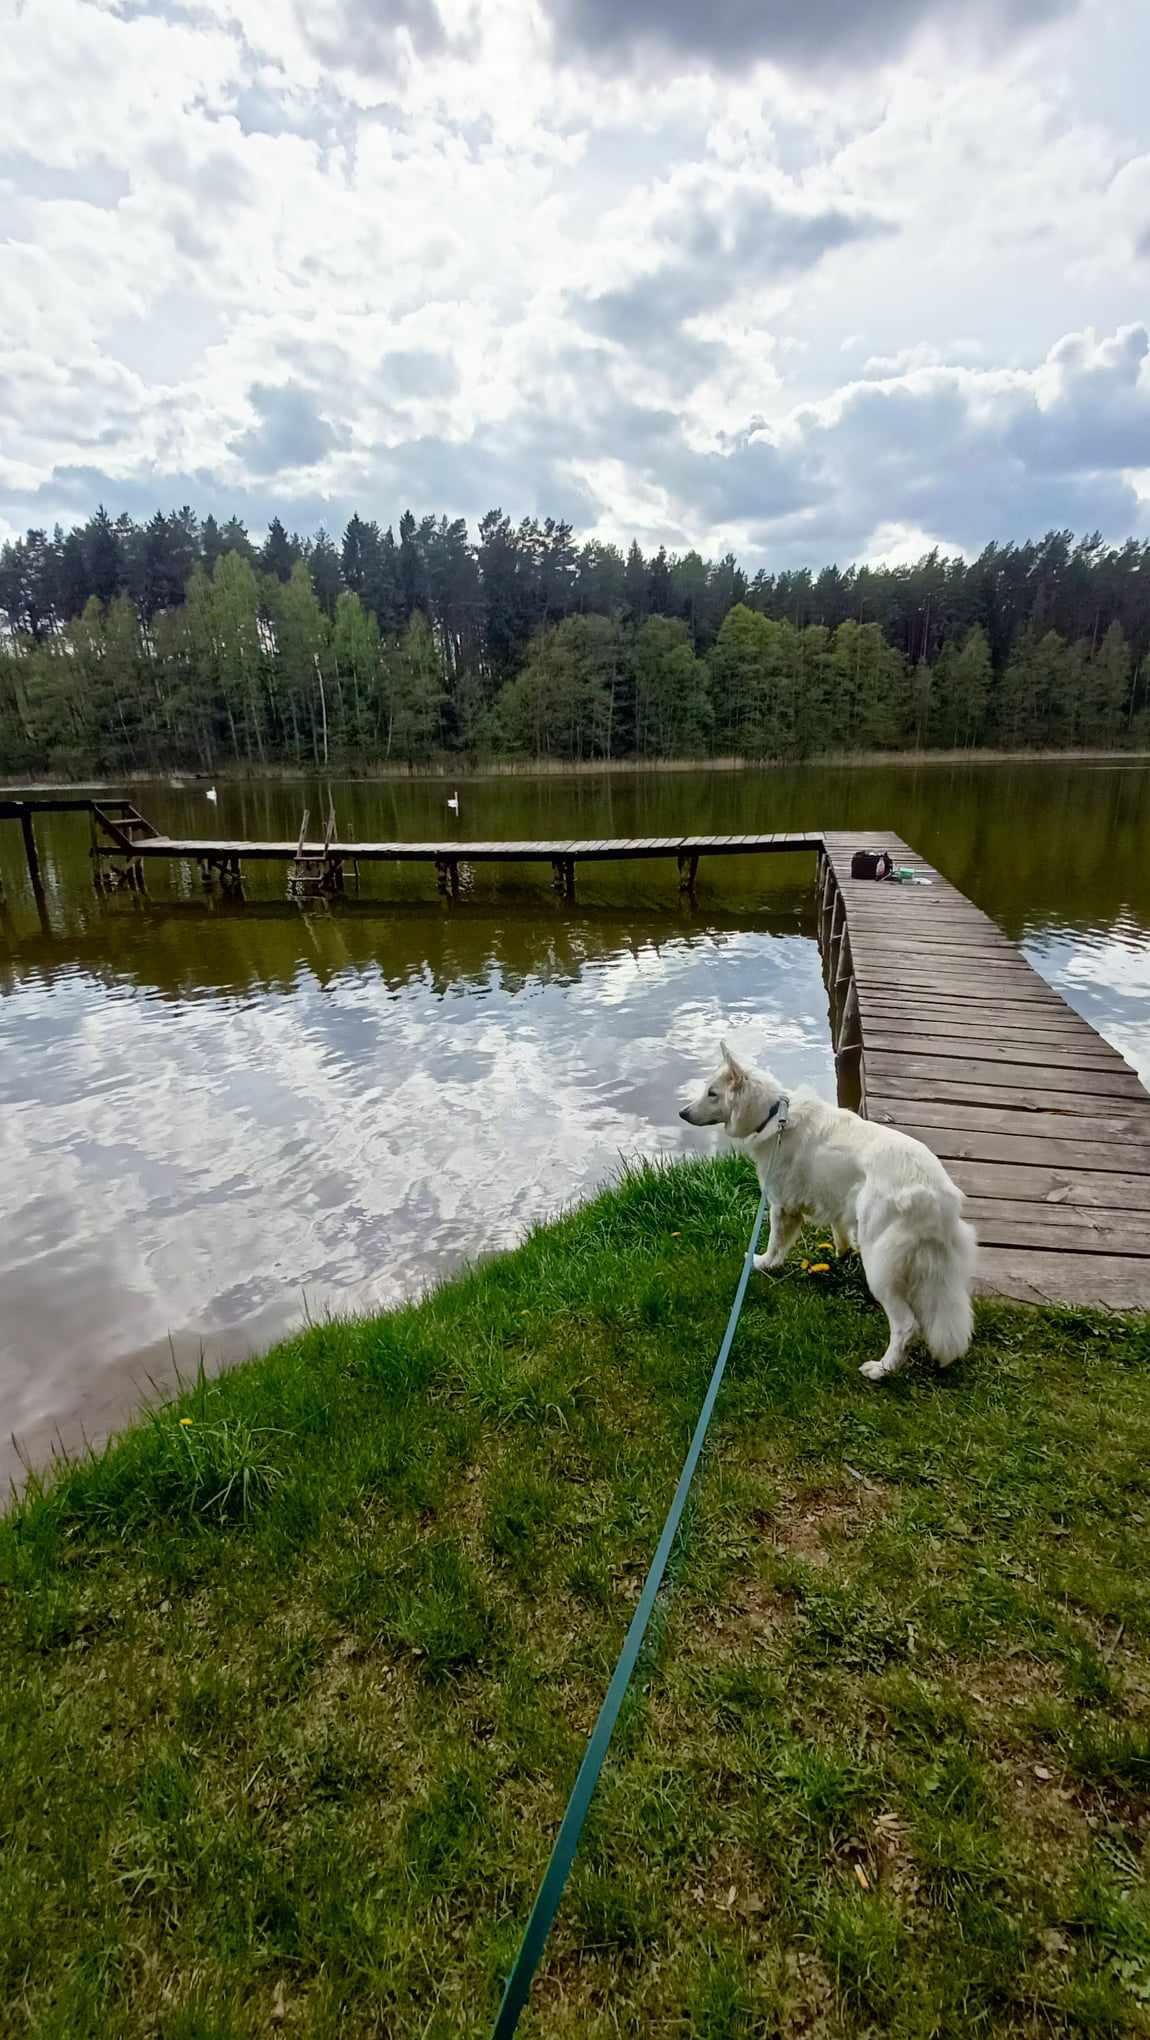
[[217, 1116]]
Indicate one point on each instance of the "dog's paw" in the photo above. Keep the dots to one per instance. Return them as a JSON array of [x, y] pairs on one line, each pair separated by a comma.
[[873, 1370], [764, 1265]]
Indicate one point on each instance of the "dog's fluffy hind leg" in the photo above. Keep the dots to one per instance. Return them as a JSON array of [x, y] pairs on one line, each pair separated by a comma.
[[903, 1326]]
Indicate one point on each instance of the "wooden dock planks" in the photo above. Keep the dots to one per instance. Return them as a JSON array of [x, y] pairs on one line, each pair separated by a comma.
[[960, 1043], [591, 850]]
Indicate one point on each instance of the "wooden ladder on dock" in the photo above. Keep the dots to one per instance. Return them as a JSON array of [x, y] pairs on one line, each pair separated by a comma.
[[316, 874], [119, 834]]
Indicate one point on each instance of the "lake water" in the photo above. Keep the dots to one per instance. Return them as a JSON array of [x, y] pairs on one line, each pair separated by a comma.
[[216, 1115]]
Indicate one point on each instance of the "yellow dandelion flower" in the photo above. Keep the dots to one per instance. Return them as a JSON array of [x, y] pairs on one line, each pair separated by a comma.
[[820, 1268], [186, 1421]]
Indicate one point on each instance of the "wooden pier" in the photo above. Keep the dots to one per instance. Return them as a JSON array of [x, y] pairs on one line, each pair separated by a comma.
[[948, 1033], [939, 1026], [134, 838]]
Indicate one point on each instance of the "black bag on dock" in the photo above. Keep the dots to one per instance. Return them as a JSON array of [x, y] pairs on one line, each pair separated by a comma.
[[871, 864]]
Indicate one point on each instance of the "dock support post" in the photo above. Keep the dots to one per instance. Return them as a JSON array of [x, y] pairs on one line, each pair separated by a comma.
[[563, 877], [849, 1038], [826, 898], [447, 877], [688, 871], [31, 853], [838, 923]]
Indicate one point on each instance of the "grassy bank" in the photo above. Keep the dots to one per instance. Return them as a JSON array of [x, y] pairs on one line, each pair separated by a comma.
[[296, 1677]]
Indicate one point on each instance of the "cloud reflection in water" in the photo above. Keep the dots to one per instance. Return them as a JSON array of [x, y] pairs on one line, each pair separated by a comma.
[[201, 1164]]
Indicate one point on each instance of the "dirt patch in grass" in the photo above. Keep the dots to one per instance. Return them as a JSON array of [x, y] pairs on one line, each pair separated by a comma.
[[751, 1616], [812, 1523]]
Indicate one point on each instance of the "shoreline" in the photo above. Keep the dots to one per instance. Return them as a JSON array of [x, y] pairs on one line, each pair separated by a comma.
[[459, 767]]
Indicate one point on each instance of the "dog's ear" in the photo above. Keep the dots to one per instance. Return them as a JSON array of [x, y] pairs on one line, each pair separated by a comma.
[[738, 1073]]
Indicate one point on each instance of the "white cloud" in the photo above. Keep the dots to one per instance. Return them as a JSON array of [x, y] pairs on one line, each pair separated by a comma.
[[281, 258]]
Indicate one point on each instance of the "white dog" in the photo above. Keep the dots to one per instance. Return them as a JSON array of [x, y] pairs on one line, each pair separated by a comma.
[[876, 1188]]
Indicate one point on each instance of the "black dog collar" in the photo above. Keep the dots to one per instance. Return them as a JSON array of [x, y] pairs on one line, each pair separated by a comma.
[[780, 1110]]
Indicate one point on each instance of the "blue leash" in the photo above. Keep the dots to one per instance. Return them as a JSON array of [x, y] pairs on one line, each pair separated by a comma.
[[562, 1856]]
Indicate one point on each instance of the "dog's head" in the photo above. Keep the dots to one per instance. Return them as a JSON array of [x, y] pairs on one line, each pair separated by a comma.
[[735, 1098]]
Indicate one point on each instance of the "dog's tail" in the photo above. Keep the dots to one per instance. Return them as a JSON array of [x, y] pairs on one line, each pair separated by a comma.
[[940, 1272]]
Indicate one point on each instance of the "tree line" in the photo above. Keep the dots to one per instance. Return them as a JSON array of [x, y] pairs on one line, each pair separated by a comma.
[[180, 643]]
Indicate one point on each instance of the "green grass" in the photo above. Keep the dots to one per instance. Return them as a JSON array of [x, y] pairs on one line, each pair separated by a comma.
[[292, 1694]]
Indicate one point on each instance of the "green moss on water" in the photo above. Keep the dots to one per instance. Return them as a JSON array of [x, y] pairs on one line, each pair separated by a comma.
[[293, 1693]]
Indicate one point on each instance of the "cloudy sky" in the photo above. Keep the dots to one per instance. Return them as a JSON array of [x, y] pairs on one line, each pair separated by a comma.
[[834, 279]]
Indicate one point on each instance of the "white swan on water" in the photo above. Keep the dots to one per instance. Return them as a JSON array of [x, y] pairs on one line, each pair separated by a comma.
[[453, 801], [211, 795]]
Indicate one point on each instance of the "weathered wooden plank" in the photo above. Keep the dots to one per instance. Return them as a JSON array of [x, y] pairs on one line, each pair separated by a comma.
[[902, 913], [919, 906], [1093, 1053], [913, 1029], [1069, 1228], [890, 892], [934, 930], [934, 939], [1102, 1280], [1129, 1125], [900, 1094], [926, 1002], [986, 965], [979, 966], [976, 985], [945, 923], [935, 945], [1032, 991], [906, 963], [881, 893], [1037, 1185], [1116, 1083], [951, 1144], [902, 936], [894, 1016]]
